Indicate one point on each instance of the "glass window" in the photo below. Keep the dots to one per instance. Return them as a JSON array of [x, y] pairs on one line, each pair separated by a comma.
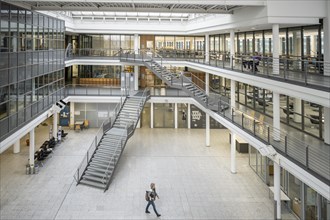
[[268, 43], [258, 42], [283, 42], [216, 43], [189, 43], [249, 43], [179, 43], [199, 43], [160, 42], [169, 42], [241, 43], [211, 43]]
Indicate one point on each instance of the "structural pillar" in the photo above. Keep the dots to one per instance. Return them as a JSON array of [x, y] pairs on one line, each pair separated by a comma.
[[276, 116], [232, 48], [55, 119], [207, 48], [71, 114], [326, 41], [207, 128], [276, 49], [233, 152], [136, 43], [277, 189], [151, 115], [188, 118], [207, 83], [326, 125], [17, 146], [136, 78], [297, 108], [232, 94], [175, 115], [32, 144]]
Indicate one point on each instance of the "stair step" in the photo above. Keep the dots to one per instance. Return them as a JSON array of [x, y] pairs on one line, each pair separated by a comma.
[[97, 165], [92, 183], [95, 178], [90, 168], [94, 173], [116, 131]]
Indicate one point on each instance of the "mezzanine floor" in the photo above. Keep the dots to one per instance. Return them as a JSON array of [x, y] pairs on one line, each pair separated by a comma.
[[193, 181]]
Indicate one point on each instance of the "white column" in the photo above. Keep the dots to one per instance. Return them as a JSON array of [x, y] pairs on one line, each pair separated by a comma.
[[276, 49], [207, 129], [55, 124], [31, 150], [232, 152], [326, 125], [71, 113], [232, 48], [207, 48], [152, 115], [297, 109], [188, 118], [136, 77], [175, 115], [277, 189], [326, 41], [17, 146], [136, 43], [207, 83], [276, 116], [232, 93]]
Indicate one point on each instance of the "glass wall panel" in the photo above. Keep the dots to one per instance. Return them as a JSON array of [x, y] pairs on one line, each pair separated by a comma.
[[241, 43], [160, 42], [283, 42], [295, 194], [249, 43], [179, 43], [311, 203], [211, 43], [189, 43], [258, 42], [164, 115], [294, 49], [217, 43], [268, 38], [169, 42], [199, 43]]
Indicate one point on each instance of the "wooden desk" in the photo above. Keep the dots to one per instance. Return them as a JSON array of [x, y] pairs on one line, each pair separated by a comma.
[[78, 123]]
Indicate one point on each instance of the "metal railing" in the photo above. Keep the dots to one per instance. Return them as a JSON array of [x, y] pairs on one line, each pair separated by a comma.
[[314, 160], [105, 126]]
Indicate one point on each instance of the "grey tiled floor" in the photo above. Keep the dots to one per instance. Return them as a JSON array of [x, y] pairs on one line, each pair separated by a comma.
[[193, 181]]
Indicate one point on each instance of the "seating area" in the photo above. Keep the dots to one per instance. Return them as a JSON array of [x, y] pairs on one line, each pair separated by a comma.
[[44, 151]]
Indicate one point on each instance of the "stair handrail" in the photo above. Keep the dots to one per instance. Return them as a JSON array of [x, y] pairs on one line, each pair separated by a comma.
[[104, 128], [68, 51], [119, 143], [269, 135]]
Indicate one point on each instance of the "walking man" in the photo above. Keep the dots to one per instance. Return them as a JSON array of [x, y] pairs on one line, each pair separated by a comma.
[[151, 197]]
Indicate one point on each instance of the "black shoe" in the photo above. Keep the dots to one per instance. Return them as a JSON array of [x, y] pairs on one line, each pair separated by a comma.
[[147, 212], [158, 215]]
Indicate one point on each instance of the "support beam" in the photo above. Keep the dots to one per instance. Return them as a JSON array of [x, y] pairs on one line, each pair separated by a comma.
[[136, 43], [207, 128], [233, 152], [136, 78], [276, 49], [188, 118], [297, 108], [55, 119], [71, 114], [151, 115], [326, 41], [32, 147], [277, 189], [207, 83], [17, 146], [276, 116], [326, 125], [232, 94], [207, 48], [232, 48], [175, 115]]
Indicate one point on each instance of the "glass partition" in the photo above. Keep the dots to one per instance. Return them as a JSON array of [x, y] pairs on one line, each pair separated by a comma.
[[249, 47]]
